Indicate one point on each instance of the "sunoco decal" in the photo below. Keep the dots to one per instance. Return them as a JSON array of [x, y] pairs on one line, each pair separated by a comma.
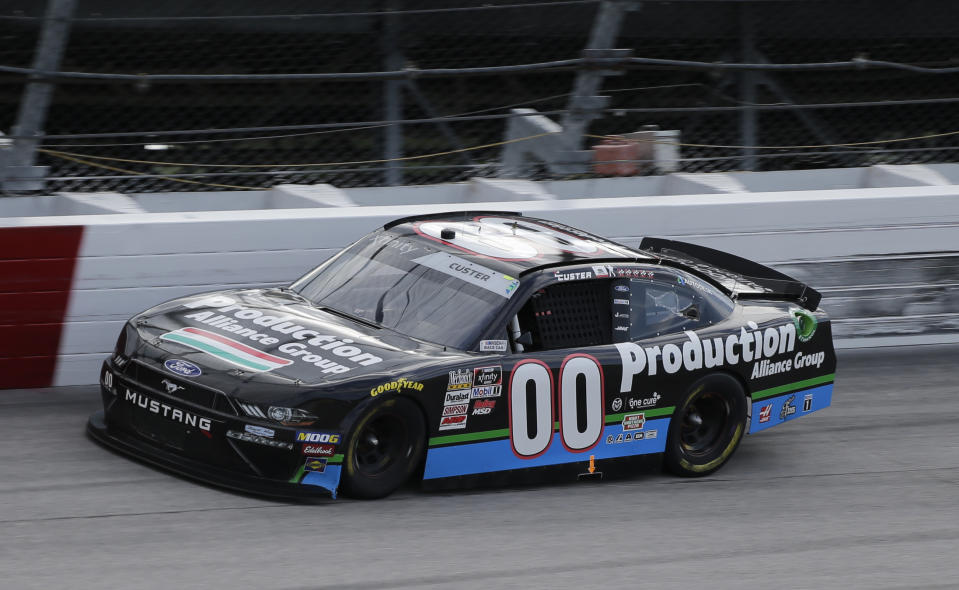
[[227, 349]]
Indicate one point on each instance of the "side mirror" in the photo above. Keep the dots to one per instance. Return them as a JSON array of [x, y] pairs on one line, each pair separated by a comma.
[[526, 339]]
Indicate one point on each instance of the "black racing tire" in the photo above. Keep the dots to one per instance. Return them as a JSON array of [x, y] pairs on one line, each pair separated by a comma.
[[706, 427], [383, 450]]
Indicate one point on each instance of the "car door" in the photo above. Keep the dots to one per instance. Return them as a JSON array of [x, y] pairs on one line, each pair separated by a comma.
[[666, 312]]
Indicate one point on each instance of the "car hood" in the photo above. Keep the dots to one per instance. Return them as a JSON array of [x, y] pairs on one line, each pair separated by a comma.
[[274, 336]]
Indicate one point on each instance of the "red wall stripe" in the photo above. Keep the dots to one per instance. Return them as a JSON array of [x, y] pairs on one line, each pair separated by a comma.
[[36, 272]]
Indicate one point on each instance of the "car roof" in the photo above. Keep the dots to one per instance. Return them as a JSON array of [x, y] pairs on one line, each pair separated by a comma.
[[512, 243]]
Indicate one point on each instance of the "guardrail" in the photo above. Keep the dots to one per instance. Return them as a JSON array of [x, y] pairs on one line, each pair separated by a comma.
[[886, 260]]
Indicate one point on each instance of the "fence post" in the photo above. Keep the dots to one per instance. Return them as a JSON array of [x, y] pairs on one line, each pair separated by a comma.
[[392, 96], [583, 104], [748, 118], [19, 173]]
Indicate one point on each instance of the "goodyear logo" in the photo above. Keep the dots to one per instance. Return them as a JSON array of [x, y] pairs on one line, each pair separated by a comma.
[[317, 437]]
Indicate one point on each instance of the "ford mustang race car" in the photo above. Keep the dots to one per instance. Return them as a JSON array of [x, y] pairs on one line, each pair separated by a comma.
[[465, 349]]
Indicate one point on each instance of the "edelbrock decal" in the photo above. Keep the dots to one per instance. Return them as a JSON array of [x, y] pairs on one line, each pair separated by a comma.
[[182, 367], [293, 339], [712, 352], [475, 274]]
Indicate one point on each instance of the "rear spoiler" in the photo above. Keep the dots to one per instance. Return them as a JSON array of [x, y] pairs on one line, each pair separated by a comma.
[[739, 277]]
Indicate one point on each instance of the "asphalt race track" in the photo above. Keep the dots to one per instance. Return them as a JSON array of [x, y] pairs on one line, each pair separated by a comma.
[[862, 495]]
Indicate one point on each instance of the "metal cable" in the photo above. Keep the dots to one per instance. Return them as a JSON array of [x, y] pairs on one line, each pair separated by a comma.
[[306, 16], [411, 73]]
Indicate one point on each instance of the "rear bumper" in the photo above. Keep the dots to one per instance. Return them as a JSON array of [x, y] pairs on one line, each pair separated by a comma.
[[127, 444]]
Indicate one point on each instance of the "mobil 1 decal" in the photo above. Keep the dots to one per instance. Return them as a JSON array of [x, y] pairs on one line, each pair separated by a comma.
[[532, 412]]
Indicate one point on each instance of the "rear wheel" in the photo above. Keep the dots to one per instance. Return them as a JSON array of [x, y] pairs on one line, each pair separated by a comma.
[[707, 427], [383, 449]]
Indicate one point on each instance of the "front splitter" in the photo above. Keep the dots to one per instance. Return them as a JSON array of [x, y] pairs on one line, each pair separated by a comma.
[[250, 484]]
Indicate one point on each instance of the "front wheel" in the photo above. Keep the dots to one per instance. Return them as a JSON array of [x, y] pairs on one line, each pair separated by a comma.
[[384, 449], [707, 427]]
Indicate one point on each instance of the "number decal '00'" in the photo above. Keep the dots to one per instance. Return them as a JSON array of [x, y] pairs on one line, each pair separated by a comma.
[[573, 366], [524, 444], [528, 445]]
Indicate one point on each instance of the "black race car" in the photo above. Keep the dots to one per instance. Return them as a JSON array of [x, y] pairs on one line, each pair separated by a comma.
[[469, 348]]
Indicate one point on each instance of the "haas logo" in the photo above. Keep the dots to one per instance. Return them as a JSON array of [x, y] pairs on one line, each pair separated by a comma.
[[764, 413]]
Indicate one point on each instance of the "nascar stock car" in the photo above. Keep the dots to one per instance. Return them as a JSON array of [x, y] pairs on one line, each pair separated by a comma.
[[464, 349]]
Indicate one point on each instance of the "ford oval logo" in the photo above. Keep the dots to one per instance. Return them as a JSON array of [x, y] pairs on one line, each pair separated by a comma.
[[181, 367]]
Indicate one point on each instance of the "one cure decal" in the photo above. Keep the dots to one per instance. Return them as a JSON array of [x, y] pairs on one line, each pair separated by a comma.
[[534, 377]]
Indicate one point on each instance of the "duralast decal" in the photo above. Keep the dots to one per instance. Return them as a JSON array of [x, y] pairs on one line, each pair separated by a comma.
[[295, 340], [747, 346], [401, 384]]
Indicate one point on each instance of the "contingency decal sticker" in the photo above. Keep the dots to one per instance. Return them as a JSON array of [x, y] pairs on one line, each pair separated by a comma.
[[227, 349], [779, 404], [320, 472]]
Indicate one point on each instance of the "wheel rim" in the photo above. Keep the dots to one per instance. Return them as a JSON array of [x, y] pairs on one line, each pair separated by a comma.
[[380, 443], [703, 424]]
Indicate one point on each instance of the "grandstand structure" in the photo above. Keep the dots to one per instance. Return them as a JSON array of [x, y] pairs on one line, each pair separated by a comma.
[[98, 95]]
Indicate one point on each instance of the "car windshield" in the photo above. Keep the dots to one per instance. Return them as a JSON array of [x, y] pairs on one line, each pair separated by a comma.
[[407, 286]]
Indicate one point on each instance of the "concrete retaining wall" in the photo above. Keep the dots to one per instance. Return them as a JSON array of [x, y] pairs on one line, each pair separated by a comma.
[[887, 253]]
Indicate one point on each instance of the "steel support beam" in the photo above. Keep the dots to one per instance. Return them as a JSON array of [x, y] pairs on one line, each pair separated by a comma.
[[19, 173], [584, 105], [393, 60], [748, 117]]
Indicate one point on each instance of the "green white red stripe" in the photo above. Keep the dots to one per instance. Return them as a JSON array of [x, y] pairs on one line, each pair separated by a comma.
[[227, 349]]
